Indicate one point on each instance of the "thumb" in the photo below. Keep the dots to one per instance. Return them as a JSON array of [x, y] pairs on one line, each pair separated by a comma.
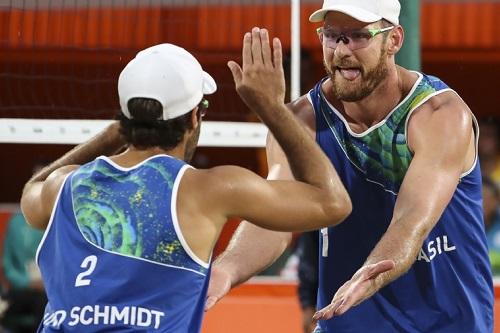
[[210, 302], [380, 267], [236, 71]]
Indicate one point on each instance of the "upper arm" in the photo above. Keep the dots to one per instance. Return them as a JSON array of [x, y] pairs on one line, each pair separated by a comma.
[[276, 159], [441, 136], [282, 205], [39, 197]]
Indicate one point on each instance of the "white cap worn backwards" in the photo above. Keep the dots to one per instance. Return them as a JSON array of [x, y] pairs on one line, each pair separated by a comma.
[[368, 11], [168, 74]]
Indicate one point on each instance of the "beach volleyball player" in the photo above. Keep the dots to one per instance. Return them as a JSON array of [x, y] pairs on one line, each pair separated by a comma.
[[129, 237], [405, 146]]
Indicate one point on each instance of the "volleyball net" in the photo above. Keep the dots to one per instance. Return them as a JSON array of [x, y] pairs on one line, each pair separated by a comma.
[[61, 59]]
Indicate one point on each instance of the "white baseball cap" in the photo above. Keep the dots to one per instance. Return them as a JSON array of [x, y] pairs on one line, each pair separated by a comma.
[[368, 11], [166, 73]]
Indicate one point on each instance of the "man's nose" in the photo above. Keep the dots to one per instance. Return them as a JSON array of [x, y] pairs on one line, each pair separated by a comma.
[[342, 46], [343, 39]]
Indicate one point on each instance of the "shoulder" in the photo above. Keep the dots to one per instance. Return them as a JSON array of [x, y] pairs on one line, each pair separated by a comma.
[[39, 197], [443, 114], [220, 178], [56, 179], [442, 134]]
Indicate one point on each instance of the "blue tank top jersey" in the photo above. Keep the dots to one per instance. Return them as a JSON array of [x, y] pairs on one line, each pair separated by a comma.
[[113, 257], [449, 287]]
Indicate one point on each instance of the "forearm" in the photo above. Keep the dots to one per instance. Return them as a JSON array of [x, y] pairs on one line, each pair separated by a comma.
[[307, 162], [251, 250], [401, 244], [105, 143]]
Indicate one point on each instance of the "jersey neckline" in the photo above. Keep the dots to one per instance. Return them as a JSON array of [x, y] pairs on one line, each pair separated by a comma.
[[135, 166], [380, 123]]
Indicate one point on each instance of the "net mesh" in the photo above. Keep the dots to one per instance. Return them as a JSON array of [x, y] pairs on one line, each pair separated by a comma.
[[61, 59], [60, 62]]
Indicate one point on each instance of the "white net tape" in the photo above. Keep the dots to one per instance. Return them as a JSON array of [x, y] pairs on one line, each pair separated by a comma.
[[64, 131]]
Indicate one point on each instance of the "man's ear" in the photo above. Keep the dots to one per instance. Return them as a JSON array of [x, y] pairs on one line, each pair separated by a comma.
[[396, 40], [195, 121]]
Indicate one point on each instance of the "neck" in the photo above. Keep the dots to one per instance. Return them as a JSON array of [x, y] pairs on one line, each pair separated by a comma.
[[376, 106], [133, 155]]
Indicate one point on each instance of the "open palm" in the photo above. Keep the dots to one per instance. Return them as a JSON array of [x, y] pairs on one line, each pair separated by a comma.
[[361, 286]]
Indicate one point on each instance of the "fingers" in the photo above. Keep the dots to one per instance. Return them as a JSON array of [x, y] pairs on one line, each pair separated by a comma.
[[247, 50], [328, 311], [256, 47], [354, 291], [266, 48], [314, 322], [277, 54], [236, 71], [210, 302], [380, 267]]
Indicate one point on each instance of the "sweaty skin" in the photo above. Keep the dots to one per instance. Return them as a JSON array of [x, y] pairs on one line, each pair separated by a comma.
[[207, 198], [440, 134]]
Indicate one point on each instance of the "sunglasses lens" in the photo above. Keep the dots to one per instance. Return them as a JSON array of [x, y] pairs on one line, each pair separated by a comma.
[[355, 39]]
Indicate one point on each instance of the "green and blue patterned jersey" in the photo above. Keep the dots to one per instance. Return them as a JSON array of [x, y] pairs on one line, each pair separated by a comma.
[[449, 287], [114, 257]]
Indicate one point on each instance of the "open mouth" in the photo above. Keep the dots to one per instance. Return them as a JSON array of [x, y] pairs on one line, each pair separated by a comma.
[[349, 73]]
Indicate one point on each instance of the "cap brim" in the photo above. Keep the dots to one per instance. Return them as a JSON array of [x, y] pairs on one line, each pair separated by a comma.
[[209, 85], [354, 12]]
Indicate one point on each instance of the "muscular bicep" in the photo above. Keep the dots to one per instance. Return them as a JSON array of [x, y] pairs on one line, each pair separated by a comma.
[[281, 205], [441, 139], [39, 197], [277, 161]]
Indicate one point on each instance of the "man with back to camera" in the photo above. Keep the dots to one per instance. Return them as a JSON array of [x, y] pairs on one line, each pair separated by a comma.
[[405, 147], [132, 234]]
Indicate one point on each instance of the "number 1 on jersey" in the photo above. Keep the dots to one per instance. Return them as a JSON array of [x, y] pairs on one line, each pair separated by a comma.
[[324, 235], [89, 263]]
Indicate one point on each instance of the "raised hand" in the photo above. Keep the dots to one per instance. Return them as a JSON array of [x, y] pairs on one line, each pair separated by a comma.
[[260, 81], [361, 286]]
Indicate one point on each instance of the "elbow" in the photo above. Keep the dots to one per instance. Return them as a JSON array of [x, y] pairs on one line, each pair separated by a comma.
[[344, 209], [339, 209], [24, 205]]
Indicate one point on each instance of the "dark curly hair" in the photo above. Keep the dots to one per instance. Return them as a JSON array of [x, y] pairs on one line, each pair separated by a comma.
[[145, 130]]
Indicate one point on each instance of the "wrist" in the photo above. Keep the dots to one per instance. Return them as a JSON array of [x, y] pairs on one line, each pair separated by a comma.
[[229, 270], [112, 138]]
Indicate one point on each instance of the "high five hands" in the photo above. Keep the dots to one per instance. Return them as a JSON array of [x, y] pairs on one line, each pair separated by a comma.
[[260, 81], [361, 286]]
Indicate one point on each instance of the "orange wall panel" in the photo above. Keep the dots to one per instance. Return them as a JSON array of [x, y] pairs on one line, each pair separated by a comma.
[[268, 307], [462, 25]]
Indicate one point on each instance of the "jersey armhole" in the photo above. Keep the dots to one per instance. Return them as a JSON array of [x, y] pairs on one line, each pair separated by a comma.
[[175, 221], [475, 127], [51, 219]]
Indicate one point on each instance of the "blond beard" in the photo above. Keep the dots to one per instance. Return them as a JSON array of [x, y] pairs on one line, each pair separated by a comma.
[[370, 80]]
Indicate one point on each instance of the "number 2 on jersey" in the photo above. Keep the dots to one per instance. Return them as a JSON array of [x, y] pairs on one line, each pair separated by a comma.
[[89, 263]]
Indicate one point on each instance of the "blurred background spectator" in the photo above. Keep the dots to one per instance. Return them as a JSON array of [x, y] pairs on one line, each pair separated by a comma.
[[307, 252], [25, 293], [489, 148], [491, 207]]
